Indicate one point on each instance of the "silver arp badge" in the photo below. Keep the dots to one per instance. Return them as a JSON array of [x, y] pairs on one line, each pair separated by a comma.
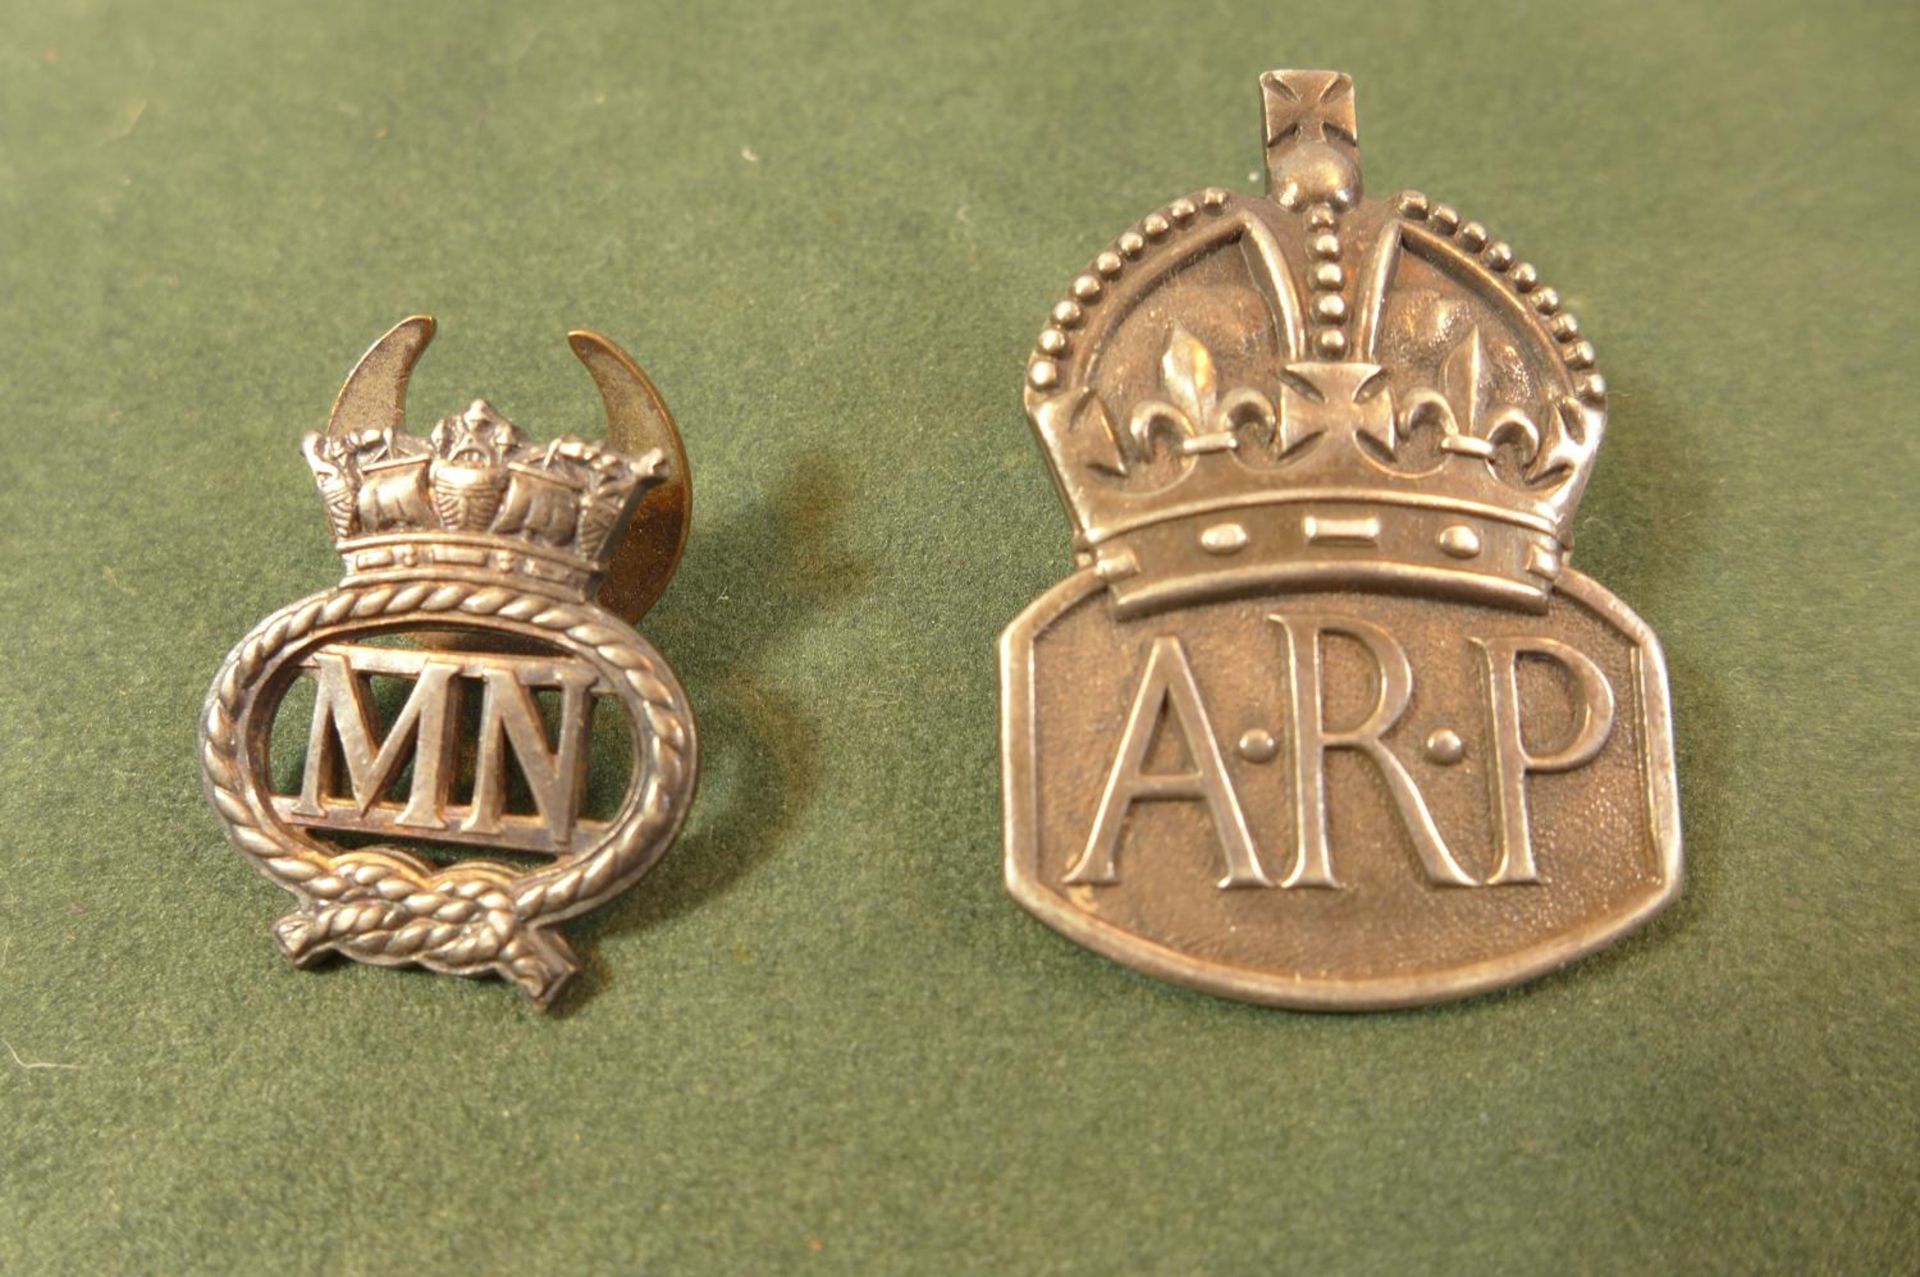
[[1324, 719]]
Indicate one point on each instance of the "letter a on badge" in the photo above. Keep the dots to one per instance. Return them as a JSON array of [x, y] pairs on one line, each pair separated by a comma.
[[1168, 688]]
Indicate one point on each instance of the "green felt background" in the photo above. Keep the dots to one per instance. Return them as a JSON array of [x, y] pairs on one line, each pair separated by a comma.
[[820, 1037]]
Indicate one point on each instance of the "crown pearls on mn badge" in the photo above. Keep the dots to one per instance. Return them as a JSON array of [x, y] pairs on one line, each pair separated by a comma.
[[516, 567], [1324, 719]]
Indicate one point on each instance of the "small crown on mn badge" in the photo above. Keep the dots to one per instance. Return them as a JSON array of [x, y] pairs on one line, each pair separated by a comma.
[[516, 568], [1322, 456], [475, 501]]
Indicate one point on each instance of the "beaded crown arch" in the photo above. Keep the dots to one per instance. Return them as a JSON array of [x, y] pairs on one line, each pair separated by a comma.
[[1315, 387]]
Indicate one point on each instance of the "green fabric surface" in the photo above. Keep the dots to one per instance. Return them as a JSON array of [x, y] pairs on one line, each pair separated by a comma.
[[820, 1037]]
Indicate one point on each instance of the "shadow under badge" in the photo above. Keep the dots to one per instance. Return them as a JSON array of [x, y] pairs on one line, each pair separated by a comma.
[[1324, 720], [491, 551]]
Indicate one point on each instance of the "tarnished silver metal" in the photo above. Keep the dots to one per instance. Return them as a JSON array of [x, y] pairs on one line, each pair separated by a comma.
[[490, 551], [1324, 719]]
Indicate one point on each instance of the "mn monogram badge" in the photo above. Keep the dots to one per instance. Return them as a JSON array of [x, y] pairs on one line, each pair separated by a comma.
[[1324, 719], [489, 550]]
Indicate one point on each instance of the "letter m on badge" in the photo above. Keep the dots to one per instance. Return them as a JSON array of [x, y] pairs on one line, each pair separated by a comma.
[[1323, 719]]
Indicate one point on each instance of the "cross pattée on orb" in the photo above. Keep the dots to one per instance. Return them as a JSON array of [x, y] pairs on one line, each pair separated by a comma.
[[1313, 138]]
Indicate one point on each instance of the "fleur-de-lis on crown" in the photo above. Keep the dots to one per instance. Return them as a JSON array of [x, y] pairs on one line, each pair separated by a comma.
[[1459, 409], [1195, 417]]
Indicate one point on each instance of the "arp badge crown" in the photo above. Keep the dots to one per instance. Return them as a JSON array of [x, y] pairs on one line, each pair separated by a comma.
[[491, 550], [1324, 719]]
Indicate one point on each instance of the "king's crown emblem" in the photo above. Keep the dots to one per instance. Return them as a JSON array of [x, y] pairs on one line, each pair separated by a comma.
[[1348, 392]]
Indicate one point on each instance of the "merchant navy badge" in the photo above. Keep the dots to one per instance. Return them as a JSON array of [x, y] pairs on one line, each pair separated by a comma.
[[1324, 719], [489, 550]]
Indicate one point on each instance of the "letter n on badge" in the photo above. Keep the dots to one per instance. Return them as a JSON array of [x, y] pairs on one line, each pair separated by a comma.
[[1324, 719]]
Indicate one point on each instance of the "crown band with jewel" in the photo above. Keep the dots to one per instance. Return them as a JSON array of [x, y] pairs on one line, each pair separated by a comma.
[[1315, 389], [475, 501]]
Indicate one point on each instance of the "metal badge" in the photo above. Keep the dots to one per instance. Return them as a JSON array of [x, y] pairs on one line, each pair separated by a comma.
[[490, 551], [1324, 719]]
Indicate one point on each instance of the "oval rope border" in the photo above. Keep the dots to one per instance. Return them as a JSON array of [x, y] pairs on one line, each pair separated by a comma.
[[386, 906]]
